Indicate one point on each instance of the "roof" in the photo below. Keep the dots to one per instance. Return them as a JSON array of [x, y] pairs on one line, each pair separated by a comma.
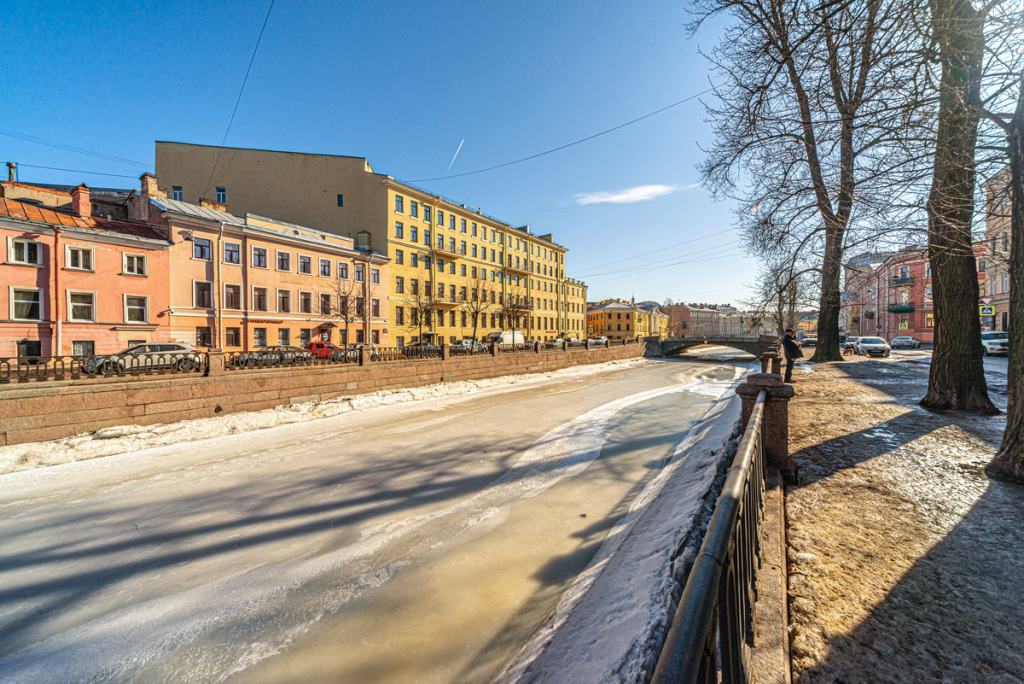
[[52, 191], [195, 210], [22, 211]]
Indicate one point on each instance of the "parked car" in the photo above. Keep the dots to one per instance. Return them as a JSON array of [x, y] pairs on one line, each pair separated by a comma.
[[600, 339], [809, 341], [905, 342], [851, 344], [995, 342], [466, 347], [356, 347], [275, 355], [873, 346], [419, 350], [323, 350], [140, 357]]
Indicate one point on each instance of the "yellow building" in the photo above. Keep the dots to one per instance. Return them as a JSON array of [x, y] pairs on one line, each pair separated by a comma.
[[455, 272], [618, 320]]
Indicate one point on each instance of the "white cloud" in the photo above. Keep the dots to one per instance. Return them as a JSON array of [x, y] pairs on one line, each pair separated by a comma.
[[641, 193]]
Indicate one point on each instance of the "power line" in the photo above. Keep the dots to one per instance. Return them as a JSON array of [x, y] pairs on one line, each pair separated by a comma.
[[567, 145], [70, 148], [674, 260], [681, 263], [237, 101], [91, 173], [661, 249]]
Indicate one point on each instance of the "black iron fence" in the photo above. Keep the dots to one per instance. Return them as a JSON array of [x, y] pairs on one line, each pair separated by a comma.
[[48, 368], [714, 621], [38, 368]]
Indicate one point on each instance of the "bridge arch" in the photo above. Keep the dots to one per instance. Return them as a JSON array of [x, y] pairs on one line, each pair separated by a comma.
[[752, 345]]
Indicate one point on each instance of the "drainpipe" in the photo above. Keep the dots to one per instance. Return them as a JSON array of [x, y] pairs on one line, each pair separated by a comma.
[[219, 294], [366, 302], [58, 331]]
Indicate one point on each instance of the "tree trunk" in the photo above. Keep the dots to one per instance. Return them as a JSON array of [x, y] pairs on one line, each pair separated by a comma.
[[1009, 461], [827, 347], [957, 377]]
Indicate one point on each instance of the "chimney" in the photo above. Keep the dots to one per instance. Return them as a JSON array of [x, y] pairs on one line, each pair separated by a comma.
[[363, 240], [211, 204], [11, 166], [80, 201]]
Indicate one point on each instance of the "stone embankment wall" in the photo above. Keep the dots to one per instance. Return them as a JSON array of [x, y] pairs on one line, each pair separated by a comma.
[[37, 411]]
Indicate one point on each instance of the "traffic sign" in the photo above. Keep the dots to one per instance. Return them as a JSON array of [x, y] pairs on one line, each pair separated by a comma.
[[984, 300], [903, 326], [987, 310]]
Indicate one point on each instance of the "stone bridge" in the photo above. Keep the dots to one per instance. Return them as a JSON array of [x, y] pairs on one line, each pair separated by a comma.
[[756, 345]]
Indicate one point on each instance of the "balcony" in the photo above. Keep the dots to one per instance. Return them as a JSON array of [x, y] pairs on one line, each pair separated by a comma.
[[905, 280], [524, 269], [446, 301]]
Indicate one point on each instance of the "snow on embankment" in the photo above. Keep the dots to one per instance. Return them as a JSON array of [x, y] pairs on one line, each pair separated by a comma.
[[610, 624], [127, 438]]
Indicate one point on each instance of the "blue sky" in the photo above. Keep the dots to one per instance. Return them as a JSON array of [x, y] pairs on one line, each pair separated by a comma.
[[403, 83]]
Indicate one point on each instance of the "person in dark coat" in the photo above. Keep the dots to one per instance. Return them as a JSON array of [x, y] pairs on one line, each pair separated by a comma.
[[791, 348]]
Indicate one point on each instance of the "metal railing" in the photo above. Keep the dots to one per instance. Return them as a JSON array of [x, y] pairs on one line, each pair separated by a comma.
[[44, 368], [714, 621], [514, 348]]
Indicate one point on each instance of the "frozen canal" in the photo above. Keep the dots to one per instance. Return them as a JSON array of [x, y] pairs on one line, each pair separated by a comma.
[[420, 542]]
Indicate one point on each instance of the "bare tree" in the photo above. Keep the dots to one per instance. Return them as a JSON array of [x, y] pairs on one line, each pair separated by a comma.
[[1008, 463], [476, 304], [515, 308], [342, 311], [806, 136]]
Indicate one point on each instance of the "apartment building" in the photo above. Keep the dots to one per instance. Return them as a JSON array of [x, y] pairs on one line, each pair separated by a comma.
[[998, 239], [454, 272], [243, 282], [619, 320], [78, 284], [693, 320]]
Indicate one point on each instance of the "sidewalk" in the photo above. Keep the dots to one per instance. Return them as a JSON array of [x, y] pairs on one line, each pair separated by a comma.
[[906, 563]]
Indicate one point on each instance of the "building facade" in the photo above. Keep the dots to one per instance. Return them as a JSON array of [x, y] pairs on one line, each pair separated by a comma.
[[620, 320], [243, 282], [998, 238], [78, 284], [454, 271]]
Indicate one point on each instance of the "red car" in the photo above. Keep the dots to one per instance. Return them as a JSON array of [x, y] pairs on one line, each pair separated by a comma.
[[322, 350]]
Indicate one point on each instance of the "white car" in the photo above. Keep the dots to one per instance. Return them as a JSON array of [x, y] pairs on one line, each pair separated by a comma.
[[995, 342], [905, 341], [873, 346]]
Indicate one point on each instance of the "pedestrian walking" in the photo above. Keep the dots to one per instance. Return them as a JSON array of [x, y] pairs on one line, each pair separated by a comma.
[[791, 348]]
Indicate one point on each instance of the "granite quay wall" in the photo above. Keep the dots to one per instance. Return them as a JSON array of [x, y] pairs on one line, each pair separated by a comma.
[[37, 411]]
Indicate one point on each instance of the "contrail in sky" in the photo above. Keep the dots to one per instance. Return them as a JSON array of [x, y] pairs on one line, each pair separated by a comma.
[[453, 158]]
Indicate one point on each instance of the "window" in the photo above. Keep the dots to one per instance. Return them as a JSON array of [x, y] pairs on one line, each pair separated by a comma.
[[133, 264], [451, 244], [375, 336], [375, 308], [929, 320], [325, 268], [399, 284], [426, 237], [462, 270], [414, 286], [284, 261], [79, 258], [426, 262], [462, 225], [472, 229], [284, 301], [981, 265], [360, 307], [360, 336], [305, 334], [81, 306], [259, 337], [27, 304], [451, 222], [259, 257], [399, 231], [136, 309], [87, 347], [306, 302], [202, 294], [375, 276], [341, 200], [284, 336], [400, 341], [399, 315], [343, 270], [472, 250], [233, 337], [325, 304], [202, 249], [204, 336], [413, 234], [259, 299], [398, 205], [305, 265], [414, 209], [360, 273], [399, 256], [222, 195], [232, 296], [176, 193], [440, 218], [426, 213], [451, 318], [231, 253]]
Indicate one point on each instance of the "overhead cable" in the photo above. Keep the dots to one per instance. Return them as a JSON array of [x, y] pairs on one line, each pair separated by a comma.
[[70, 148]]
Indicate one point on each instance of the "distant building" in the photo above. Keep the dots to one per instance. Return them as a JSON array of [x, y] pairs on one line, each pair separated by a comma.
[[617, 320], [998, 239], [693, 320]]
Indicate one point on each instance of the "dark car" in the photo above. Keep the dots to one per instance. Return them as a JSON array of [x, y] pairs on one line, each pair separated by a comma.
[[276, 355], [905, 342], [143, 357], [421, 350]]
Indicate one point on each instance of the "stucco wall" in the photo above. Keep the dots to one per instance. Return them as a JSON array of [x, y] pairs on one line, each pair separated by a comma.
[[31, 412]]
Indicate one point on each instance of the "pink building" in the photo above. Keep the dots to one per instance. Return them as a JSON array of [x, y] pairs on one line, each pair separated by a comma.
[[79, 284], [244, 282]]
